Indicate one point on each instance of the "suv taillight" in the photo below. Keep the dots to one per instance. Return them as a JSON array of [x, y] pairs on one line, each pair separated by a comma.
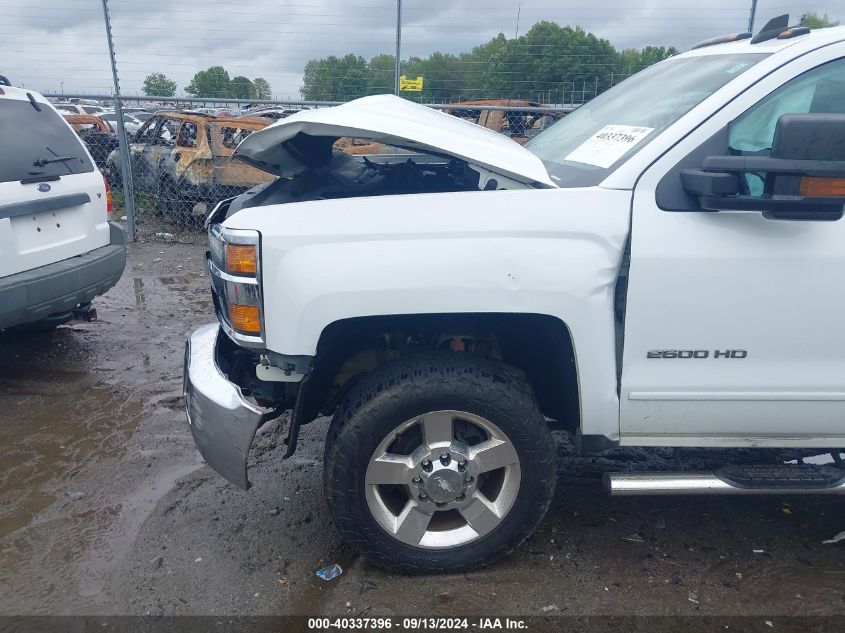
[[109, 205]]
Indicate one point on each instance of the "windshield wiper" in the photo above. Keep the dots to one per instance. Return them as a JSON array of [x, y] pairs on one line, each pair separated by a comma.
[[41, 162]]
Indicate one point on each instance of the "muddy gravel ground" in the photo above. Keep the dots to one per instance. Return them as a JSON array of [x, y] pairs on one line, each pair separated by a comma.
[[106, 507]]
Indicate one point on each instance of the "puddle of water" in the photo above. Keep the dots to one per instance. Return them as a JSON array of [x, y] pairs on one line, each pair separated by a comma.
[[119, 534], [52, 427], [77, 482]]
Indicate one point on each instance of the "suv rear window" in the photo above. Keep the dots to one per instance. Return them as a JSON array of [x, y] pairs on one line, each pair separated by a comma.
[[29, 136]]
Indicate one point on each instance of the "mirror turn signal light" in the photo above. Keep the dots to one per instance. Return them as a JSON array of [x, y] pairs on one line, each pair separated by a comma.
[[822, 187], [241, 259], [246, 319]]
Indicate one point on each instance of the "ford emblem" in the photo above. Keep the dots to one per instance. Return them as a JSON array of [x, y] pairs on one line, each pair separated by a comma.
[[43, 187]]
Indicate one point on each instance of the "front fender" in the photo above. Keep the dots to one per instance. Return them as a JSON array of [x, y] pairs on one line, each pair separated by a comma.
[[551, 252]]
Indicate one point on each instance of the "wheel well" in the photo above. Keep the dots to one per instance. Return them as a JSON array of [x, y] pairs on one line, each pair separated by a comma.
[[534, 345]]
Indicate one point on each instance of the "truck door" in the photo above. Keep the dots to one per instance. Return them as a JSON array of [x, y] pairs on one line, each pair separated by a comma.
[[734, 321]]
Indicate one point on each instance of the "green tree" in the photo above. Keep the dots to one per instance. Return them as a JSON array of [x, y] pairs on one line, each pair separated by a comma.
[[485, 69], [262, 89], [213, 82], [443, 75], [631, 61], [241, 88], [550, 62], [159, 85], [335, 78], [816, 21], [381, 70], [653, 54], [317, 82]]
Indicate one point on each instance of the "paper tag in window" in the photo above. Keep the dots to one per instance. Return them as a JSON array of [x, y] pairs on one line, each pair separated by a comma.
[[608, 145]]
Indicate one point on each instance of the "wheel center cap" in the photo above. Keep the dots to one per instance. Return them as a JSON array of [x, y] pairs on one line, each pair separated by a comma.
[[443, 485]]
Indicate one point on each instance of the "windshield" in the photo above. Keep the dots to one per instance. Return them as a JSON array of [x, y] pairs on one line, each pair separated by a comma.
[[583, 148]]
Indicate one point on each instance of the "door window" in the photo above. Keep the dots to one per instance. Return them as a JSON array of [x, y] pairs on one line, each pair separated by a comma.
[[820, 90], [165, 134], [146, 131], [187, 135]]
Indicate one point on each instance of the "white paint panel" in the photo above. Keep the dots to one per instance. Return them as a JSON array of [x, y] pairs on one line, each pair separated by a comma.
[[553, 251], [732, 280]]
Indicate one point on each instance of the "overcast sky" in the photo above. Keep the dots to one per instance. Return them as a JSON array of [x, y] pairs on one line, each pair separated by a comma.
[[50, 45]]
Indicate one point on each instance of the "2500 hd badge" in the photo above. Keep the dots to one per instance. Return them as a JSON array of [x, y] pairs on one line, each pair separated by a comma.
[[696, 353]]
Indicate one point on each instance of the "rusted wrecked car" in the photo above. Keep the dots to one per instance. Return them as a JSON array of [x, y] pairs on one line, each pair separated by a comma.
[[185, 161], [520, 125], [97, 135]]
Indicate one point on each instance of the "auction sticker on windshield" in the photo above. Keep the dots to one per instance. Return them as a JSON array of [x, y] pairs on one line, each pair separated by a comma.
[[608, 145]]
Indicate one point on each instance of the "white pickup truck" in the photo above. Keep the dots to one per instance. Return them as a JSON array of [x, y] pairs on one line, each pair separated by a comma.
[[664, 267]]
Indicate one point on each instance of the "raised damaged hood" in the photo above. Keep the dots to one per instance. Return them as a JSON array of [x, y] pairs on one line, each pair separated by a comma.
[[304, 140]]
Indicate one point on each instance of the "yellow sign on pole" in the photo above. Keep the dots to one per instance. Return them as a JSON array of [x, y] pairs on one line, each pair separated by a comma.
[[410, 85]]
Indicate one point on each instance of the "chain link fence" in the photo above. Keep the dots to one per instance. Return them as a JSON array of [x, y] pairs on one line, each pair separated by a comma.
[[179, 153]]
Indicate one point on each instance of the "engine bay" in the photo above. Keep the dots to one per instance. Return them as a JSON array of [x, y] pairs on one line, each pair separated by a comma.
[[351, 176]]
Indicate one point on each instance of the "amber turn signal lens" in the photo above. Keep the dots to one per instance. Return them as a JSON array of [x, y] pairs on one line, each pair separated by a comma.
[[109, 204], [822, 187], [241, 259], [245, 319]]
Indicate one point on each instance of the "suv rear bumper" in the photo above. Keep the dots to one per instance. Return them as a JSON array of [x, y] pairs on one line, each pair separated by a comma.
[[33, 295], [222, 421]]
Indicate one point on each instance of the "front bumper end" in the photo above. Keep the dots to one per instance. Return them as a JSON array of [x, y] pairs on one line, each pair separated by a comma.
[[223, 423]]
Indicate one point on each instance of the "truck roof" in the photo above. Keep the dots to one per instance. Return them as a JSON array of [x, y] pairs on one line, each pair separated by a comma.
[[790, 47]]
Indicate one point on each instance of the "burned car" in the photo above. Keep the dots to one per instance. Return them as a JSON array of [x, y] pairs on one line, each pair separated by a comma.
[[520, 125], [97, 134], [185, 161]]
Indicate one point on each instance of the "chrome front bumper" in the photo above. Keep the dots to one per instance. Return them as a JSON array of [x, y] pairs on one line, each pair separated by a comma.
[[222, 421]]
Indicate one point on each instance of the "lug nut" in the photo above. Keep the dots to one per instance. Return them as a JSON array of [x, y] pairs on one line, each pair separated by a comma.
[[444, 458], [426, 464], [416, 480], [468, 479], [460, 497], [423, 495]]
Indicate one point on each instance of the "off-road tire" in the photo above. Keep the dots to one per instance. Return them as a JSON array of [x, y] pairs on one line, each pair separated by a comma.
[[412, 386]]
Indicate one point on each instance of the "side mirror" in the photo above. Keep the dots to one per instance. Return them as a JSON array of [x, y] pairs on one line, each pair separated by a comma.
[[804, 175]]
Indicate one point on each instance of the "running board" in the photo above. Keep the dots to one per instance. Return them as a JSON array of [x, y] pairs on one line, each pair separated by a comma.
[[731, 480]]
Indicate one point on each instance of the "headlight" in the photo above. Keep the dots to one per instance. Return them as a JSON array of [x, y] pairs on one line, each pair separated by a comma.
[[235, 266]]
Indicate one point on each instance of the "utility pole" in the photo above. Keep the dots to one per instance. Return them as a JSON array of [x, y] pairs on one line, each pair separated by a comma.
[[518, 12], [125, 167], [752, 16], [398, 45]]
